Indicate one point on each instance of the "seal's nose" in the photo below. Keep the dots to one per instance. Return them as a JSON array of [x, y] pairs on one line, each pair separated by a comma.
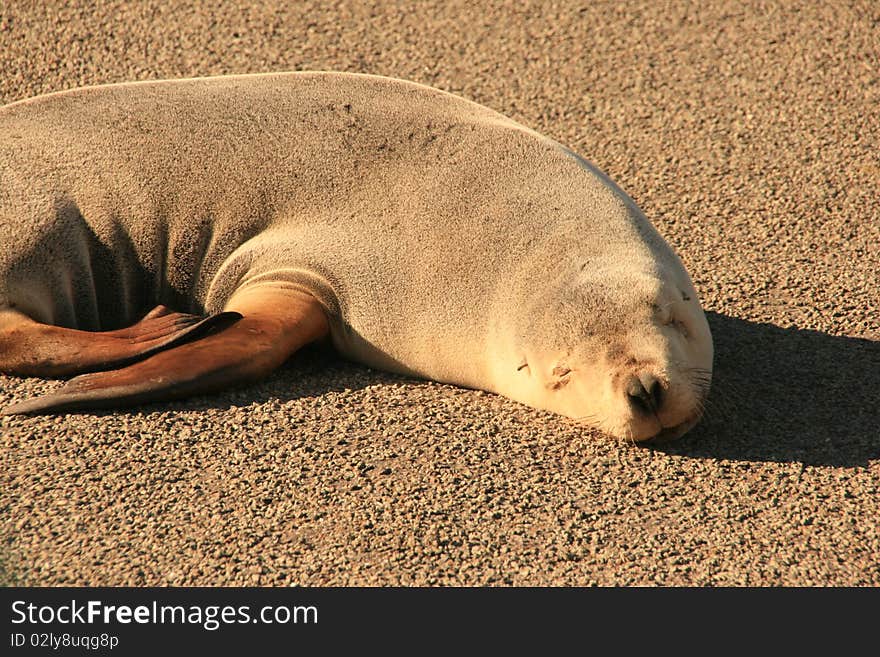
[[644, 393]]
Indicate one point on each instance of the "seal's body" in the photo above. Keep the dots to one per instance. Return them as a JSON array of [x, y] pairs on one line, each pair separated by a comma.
[[437, 237]]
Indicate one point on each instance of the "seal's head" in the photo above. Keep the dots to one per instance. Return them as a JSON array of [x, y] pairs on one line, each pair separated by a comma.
[[626, 351]]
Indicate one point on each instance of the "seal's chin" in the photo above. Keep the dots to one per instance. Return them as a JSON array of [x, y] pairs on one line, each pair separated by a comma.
[[668, 434], [663, 435]]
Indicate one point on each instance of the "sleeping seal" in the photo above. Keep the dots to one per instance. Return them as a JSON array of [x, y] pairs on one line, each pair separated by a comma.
[[163, 239]]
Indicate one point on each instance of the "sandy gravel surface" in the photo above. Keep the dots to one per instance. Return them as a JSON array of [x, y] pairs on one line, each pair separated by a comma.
[[749, 132]]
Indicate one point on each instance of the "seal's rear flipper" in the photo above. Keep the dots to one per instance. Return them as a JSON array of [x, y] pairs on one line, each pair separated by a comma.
[[273, 325], [29, 348]]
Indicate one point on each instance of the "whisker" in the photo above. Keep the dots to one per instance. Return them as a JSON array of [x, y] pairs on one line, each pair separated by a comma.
[[586, 415], [632, 439]]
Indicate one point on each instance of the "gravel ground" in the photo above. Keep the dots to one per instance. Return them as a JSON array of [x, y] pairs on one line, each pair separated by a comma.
[[748, 131]]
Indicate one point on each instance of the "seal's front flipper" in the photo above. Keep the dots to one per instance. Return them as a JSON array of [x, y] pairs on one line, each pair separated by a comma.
[[273, 324], [29, 348]]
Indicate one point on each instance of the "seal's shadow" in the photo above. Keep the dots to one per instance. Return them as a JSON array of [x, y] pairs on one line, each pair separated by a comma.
[[788, 395]]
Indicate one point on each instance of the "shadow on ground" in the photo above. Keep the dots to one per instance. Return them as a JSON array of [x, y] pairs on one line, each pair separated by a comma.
[[788, 395]]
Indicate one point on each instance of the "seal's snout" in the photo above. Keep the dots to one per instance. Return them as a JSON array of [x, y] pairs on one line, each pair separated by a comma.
[[644, 393]]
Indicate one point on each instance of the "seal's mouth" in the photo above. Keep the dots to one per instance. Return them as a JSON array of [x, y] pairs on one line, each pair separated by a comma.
[[668, 434]]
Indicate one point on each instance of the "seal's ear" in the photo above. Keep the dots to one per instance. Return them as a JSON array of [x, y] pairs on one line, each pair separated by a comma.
[[560, 377], [267, 326]]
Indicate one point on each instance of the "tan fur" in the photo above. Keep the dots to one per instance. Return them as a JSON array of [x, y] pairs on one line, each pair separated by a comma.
[[443, 239]]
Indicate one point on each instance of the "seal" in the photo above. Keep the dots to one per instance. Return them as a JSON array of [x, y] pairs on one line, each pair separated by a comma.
[[171, 238]]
